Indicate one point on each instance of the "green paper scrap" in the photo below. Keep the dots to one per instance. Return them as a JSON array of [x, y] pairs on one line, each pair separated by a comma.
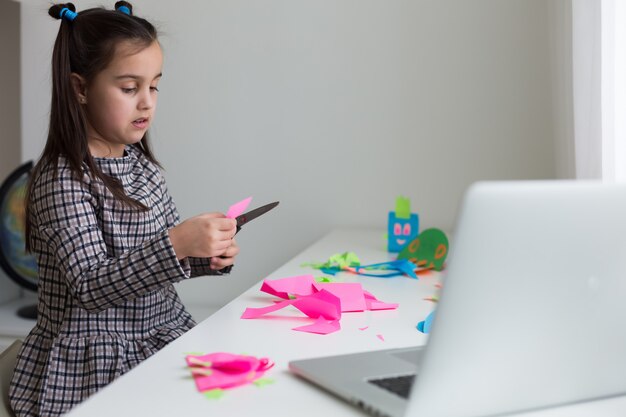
[[345, 259], [261, 382], [403, 207], [340, 260], [324, 279], [194, 353], [214, 394]]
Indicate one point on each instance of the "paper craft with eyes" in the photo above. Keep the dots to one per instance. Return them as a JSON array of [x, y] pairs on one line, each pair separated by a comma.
[[403, 225]]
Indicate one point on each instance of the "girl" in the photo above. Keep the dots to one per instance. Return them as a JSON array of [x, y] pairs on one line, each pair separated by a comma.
[[100, 221]]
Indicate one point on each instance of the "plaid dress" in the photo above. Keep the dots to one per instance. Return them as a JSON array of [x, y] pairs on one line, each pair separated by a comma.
[[106, 299]]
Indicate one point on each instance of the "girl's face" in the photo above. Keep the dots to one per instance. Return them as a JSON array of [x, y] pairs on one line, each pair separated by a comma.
[[121, 100]]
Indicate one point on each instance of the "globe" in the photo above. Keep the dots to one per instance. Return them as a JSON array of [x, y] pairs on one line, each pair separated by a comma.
[[18, 264]]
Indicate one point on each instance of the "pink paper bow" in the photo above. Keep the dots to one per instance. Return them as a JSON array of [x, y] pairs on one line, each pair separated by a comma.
[[226, 370]]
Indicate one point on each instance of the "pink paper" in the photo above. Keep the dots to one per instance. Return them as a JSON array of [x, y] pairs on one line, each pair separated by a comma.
[[380, 336], [226, 370], [320, 326], [238, 208], [253, 313], [322, 301], [379, 305], [374, 303], [321, 304], [350, 294], [298, 286]]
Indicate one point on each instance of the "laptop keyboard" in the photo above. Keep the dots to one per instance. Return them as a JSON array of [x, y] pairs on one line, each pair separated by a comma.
[[399, 385]]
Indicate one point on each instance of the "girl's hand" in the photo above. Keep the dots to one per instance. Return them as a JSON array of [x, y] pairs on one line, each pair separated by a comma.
[[227, 258], [205, 236]]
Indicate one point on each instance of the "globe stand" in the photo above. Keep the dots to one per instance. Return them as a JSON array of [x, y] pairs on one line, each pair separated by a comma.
[[28, 312]]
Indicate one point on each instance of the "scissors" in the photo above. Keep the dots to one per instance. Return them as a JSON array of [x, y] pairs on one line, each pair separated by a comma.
[[253, 214], [245, 218]]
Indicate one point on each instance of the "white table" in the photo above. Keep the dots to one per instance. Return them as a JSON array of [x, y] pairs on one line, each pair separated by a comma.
[[162, 386]]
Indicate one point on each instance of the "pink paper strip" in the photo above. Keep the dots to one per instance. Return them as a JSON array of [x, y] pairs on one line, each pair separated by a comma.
[[238, 208], [299, 286], [379, 305], [320, 326], [320, 304], [253, 313], [374, 303]]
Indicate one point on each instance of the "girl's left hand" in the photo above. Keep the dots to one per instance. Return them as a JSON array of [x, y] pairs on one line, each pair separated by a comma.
[[227, 259]]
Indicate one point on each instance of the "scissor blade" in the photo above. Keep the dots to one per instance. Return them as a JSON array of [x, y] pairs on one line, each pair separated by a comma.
[[253, 214]]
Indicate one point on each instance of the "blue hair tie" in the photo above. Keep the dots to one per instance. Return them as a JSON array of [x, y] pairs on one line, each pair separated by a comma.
[[124, 10], [67, 14]]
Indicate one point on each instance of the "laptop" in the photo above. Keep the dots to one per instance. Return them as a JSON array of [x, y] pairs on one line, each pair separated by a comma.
[[532, 313]]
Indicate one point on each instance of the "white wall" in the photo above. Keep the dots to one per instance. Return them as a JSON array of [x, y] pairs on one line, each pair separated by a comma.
[[9, 108], [560, 23], [334, 108]]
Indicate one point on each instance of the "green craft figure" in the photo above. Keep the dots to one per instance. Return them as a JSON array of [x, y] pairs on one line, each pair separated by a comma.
[[428, 250]]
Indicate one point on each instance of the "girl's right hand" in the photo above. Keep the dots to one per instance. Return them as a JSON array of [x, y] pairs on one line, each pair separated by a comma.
[[204, 236]]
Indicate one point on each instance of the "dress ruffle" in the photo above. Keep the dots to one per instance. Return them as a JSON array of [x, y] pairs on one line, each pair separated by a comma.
[[73, 368]]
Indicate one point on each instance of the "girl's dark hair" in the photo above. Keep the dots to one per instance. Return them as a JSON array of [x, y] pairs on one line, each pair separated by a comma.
[[85, 45]]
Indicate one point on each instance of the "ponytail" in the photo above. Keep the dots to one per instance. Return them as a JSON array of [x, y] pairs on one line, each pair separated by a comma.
[[124, 7]]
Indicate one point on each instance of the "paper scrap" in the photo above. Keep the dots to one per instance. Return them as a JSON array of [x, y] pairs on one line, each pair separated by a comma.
[[374, 303], [214, 394], [261, 382], [426, 325], [321, 304], [218, 371], [380, 336], [253, 313], [349, 262], [400, 266], [320, 326], [349, 293], [237, 209], [322, 301], [298, 285], [337, 262]]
